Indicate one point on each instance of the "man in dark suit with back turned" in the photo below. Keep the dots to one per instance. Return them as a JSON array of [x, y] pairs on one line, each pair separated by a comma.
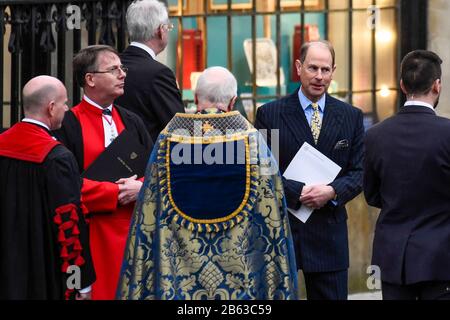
[[407, 175], [335, 129], [150, 87]]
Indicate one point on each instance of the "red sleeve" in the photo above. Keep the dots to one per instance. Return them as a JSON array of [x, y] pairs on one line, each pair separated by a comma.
[[99, 196], [67, 219]]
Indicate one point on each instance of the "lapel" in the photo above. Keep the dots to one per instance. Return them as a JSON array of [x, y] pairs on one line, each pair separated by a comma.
[[124, 116], [331, 125], [295, 120]]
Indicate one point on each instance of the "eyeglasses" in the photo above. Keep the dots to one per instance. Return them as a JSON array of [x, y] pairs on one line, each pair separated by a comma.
[[169, 26], [115, 71]]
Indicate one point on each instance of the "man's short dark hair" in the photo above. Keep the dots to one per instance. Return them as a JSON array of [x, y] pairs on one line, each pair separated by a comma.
[[419, 70], [86, 61], [305, 47]]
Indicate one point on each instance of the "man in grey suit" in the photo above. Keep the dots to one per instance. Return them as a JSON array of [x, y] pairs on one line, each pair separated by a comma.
[[335, 129]]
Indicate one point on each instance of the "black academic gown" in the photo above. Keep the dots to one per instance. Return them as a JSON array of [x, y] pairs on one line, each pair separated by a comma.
[[42, 229]]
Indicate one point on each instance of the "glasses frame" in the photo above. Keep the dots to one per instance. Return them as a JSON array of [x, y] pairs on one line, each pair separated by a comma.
[[170, 26], [113, 71]]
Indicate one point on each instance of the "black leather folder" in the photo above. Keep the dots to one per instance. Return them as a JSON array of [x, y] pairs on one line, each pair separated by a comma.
[[123, 158]]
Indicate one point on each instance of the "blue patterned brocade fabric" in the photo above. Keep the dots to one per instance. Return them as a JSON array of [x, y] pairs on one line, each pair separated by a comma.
[[211, 221]]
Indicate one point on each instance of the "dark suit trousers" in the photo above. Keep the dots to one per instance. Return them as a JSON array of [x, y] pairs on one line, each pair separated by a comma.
[[436, 290], [326, 285]]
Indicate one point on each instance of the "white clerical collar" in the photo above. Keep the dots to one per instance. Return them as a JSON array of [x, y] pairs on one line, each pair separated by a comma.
[[418, 103], [85, 97], [36, 122], [144, 47]]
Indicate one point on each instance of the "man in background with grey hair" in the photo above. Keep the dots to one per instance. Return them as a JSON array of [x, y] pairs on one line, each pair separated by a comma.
[[150, 87], [210, 217]]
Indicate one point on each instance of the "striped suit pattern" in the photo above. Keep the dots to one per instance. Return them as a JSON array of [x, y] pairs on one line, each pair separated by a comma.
[[322, 242]]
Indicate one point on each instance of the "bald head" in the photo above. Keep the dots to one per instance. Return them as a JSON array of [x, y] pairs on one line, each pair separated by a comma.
[[216, 87], [45, 100], [39, 92]]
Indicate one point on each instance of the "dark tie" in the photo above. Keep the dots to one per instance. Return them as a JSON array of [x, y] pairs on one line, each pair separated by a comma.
[[107, 112]]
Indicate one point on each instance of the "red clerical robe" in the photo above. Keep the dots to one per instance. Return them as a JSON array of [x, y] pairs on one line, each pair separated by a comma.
[[108, 221]]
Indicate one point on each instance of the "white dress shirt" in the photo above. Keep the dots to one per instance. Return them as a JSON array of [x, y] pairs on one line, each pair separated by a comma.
[[36, 122], [109, 126], [418, 103]]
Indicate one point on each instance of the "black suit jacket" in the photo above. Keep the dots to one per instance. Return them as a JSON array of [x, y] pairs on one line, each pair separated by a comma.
[[407, 175], [150, 90], [322, 242]]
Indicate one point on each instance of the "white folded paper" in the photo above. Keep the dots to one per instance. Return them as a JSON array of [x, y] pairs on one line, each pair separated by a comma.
[[311, 167]]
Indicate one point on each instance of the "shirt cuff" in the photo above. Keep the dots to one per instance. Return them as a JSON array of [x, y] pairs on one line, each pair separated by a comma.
[[86, 290], [334, 200]]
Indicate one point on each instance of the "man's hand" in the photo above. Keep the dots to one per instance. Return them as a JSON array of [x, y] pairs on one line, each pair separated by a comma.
[[316, 196], [84, 296], [128, 189]]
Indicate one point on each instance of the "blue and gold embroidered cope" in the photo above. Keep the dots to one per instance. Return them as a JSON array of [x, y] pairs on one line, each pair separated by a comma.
[[196, 189], [209, 222]]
